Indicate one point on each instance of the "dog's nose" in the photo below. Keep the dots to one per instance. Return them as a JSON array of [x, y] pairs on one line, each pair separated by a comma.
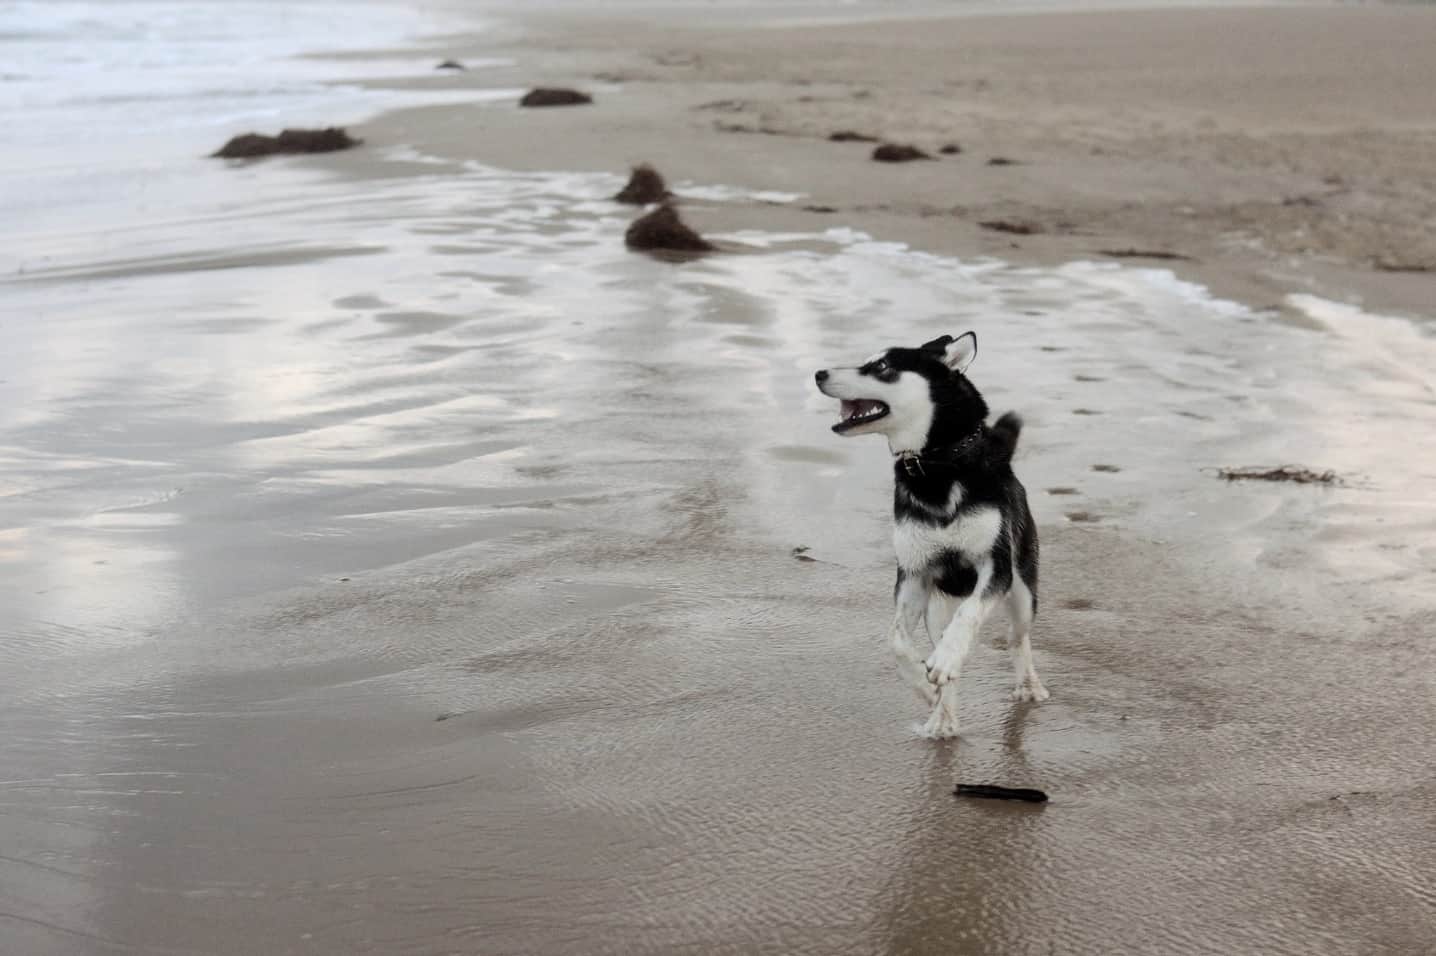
[[822, 375]]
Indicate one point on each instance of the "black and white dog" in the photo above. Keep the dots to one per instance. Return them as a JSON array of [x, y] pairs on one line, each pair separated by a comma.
[[962, 529]]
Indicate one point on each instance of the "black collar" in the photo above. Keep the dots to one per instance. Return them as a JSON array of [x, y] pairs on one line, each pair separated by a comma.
[[914, 462]]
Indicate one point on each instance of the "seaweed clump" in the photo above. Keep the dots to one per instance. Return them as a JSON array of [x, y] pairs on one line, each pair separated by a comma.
[[663, 231], [645, 186], [254, 145], [554, 96], [897, 153]]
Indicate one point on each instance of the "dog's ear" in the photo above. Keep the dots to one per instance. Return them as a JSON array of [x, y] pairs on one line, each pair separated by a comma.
[[958, 353], [936, 345]]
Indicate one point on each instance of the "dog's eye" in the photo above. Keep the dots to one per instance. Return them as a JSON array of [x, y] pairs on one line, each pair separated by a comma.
[[882, 370]]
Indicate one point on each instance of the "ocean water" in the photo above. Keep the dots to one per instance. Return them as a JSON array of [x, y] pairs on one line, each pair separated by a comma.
[[86, 72], [109, 103]]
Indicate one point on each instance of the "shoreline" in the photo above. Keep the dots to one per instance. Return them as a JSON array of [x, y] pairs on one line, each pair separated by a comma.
[[1293, 176]]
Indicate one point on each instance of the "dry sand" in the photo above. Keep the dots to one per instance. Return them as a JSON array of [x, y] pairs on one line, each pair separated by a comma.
[[432, 589]]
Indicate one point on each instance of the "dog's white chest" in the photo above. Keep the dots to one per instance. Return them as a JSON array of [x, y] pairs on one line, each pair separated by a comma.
[[918, 544]]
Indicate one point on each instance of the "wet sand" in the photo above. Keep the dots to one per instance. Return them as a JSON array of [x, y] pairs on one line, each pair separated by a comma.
[[407, 568]]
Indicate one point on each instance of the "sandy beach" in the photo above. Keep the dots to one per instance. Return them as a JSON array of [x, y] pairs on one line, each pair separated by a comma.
[[396, 564], [1281, 149]]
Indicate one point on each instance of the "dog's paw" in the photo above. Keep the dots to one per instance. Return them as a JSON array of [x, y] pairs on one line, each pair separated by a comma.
[[1031, 692], [940, 725], [941, 667]]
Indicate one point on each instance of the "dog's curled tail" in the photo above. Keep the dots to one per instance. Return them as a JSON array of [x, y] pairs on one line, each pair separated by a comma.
[[1004, 433]]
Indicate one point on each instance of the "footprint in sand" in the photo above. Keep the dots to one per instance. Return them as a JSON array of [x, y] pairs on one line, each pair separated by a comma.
[[1088, 378], [1078, 604], [360, 302], [415, 322], [1082, 517], [750, 341], [806, 454], [1085, 411], [1062, 491], [1106, 468]]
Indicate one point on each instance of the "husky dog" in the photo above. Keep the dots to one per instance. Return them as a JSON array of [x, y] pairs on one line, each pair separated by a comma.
[[962, 530]]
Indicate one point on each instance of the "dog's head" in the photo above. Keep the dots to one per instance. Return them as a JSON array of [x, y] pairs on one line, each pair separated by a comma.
[[916, 397]]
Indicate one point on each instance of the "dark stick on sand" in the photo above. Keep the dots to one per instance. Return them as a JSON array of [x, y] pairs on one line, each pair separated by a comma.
[[992, 792], [1292, 473], [1145, 254], [1016, 227]]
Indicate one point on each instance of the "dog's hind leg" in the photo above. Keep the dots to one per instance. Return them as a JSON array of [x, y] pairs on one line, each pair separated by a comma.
[[940, 609], [1019, 643], [909, 622]]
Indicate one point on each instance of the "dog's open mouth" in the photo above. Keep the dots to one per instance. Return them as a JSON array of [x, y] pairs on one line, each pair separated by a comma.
[[859, 412]]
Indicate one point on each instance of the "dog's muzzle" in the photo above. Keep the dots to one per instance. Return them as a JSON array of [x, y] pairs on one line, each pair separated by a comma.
[[853, 411]]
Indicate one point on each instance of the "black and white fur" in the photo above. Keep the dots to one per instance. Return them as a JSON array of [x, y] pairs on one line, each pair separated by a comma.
[[962, 530]]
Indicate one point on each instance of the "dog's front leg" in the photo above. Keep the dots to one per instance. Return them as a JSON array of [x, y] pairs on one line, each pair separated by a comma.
[[910, 621], [942, 722], [945, 661]]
